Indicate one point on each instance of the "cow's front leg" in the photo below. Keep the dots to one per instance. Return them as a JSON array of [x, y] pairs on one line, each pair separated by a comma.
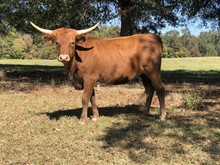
[[87, 93], [94, 107]]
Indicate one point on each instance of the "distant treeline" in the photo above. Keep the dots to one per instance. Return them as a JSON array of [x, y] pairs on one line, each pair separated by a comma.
[[19, 45]]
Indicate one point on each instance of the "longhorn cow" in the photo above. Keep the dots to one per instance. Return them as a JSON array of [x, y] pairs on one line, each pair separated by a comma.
[[110, 61]]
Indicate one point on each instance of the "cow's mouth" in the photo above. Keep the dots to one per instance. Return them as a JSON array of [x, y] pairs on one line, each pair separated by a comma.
[[64, 62]]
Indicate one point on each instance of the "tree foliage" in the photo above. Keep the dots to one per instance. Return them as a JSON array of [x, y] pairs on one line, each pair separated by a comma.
[[188, 45], [176, 44], [139, 16], [52, 14], [206, 10], [136, 16], [133, 16], [107, 32]]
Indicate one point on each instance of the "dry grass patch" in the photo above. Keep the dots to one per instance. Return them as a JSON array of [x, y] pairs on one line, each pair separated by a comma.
[[40, 126]]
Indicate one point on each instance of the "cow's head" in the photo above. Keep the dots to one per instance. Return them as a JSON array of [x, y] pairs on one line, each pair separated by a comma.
[[65, 39]]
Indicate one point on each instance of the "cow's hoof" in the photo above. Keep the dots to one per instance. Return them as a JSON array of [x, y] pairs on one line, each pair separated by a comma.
[[94, 118], [82, 122], [161, 119]]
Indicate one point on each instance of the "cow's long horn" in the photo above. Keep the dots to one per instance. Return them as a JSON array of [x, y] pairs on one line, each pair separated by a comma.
[[45, 31], [87, 30]]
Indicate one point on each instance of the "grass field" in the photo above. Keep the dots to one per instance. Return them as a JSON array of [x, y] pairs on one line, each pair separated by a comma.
[[30, 62], [192, 64], [168, 64], [39, 113]]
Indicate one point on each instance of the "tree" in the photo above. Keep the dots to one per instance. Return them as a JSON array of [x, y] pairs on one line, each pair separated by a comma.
[[6, 42], [4, 48], [207, 10], [187, 45], [107, 32], [173, 46], [209, 43], [144, 16], [52, 14], [136, 16], [19, 49], [193, 47], [47, 52], [151, 15]]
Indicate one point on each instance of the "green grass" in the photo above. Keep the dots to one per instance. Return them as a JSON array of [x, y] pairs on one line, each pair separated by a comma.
[[30, 62], [41, 127], [202, 69], [168, 64], [191, 64], [39, 122]]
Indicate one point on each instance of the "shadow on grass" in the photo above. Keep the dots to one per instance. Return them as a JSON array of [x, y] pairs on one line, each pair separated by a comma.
[[117, 136], [144, 139], [180, 76], [179, 136], [44, 74], [201, 131], [33, 73], [103, 111]]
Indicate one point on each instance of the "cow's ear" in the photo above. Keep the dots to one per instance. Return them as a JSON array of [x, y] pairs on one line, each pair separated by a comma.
[[80, 39], [48, 38]]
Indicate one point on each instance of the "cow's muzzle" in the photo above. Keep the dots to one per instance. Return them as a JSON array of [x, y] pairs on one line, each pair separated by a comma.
[[64, 58]]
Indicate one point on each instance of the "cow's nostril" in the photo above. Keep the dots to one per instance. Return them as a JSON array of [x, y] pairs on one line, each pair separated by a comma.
[[64, 58]]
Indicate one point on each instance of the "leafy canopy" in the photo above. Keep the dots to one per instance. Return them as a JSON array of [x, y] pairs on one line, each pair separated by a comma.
[[135, 16]]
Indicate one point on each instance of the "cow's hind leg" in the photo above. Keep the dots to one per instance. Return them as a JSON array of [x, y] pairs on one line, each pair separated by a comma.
[[94, 107], [149, 92], [157, 84], [87, 95]]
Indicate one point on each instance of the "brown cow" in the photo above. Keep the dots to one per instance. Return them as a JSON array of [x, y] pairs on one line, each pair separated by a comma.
[[110, 61]]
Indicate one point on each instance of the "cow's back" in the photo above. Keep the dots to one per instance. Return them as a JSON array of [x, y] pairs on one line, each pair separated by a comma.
[[118, 60]]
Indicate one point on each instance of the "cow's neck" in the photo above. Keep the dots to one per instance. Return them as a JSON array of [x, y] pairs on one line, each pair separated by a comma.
[[74, 76], [71, 68], [68, 65]]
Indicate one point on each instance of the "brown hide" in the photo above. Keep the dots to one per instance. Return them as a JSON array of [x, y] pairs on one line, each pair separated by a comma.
[[116, 61], [110, 61]]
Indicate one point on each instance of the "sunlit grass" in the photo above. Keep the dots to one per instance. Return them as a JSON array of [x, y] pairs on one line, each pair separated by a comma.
[[30, 62], [191, 64], [168, 64]]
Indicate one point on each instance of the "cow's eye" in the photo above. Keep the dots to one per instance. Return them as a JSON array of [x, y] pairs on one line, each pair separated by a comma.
[[72, 43], [57, 44]]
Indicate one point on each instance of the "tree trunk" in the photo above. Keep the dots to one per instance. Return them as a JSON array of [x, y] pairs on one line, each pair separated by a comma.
[[126, 18]]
